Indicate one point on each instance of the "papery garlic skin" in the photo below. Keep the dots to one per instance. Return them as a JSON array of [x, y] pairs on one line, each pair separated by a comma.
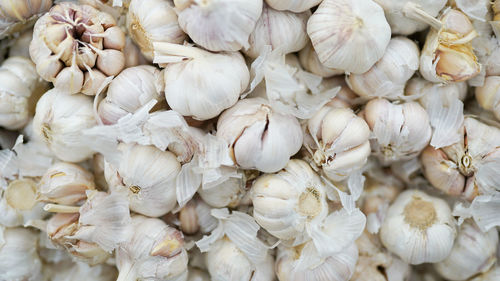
[[20, 15], [65, 183], [19, 259], [402, 24], [296, 6], [388, 77], [153, 251], [129, 91], [279, 29], [474, 252], [256, 134], [488, 96], [310, 61], [59, 121], [72, 40], [424, 89], [349, 35], [401, 130], [424, 222], [20, 87], [343, 140], [219, 25], [153, 21], [301, 263]]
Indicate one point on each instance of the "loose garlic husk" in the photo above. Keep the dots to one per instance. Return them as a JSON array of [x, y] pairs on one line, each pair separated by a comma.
[[65, 183], [219, 25], [342, 141], [279, 29], [474, 252], [310, 61], [302, 262], [153, 21], [349, 35], [129, 91], [424, 222], [72, 40], [19, 259], [214, 81], [152, 251], [16, 16], [59, 121], [488, 96], [296, 6], [447, 55], [147, 176], [401, 130], [388, 77], [255, 134], [403, 23], [20, 88], [18, 203]]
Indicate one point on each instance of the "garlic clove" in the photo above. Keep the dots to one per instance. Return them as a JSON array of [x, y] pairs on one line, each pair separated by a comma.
[[69, 79], [111, 62], [114, 38], [189, 218], [93, 81]]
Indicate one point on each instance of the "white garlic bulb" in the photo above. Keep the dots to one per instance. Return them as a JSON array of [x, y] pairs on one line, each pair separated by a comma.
[[20, 45], [224, 194], [65, 183], [296, 6], [350, 35], [59, 121], [71, 40], [214, 81], [401, 130], [129, 91], [424, 223], [219, 25], [448, 55], [147, 176], [488, 96], [255, 134], [152, 251], [342, 140], [19, 259], [310, 61], [302, 262], [20, 88], [18, 203], [388, 77], [474, 252], [401, 21], [279, 29], [20, 15], [153, 21]]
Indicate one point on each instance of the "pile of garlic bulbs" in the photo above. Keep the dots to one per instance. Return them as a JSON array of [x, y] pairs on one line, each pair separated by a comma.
[[249, 140]]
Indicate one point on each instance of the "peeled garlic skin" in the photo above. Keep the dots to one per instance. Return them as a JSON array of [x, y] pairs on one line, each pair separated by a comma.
[[488, 96], [350, 35], [425, 228], [296, 6], [474, 252], [19, 259]]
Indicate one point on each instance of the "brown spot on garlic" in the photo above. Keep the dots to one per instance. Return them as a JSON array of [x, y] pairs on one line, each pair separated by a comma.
[[419, 213]]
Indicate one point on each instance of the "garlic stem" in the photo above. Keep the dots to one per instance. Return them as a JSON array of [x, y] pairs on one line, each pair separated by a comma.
[[413, 11], [163, 48], [55, 208]]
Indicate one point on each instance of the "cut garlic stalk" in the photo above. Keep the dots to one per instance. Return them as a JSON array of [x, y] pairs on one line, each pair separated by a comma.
[[16, 16], [18, 203], [296, 6]]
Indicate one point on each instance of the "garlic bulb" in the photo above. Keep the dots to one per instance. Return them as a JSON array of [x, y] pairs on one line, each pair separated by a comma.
[[20, 15], [214, 81], [474, 252], [225, 194], [388, 77], [71, 40], [401, 20], [279, 29], [401, 130], [488, 96], [20, 45], [152, 251], [255, 135], [80, 271], [20, 88], [129, 91], [447, 55], [219, 25], [349, 35], [342, 141], [65, 183], [146, 175], [18, 203], [59, 121], [19, 259], [491, 275], [302, 262], [424, 223], [310, 61], [153, 21], [296, 6]]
